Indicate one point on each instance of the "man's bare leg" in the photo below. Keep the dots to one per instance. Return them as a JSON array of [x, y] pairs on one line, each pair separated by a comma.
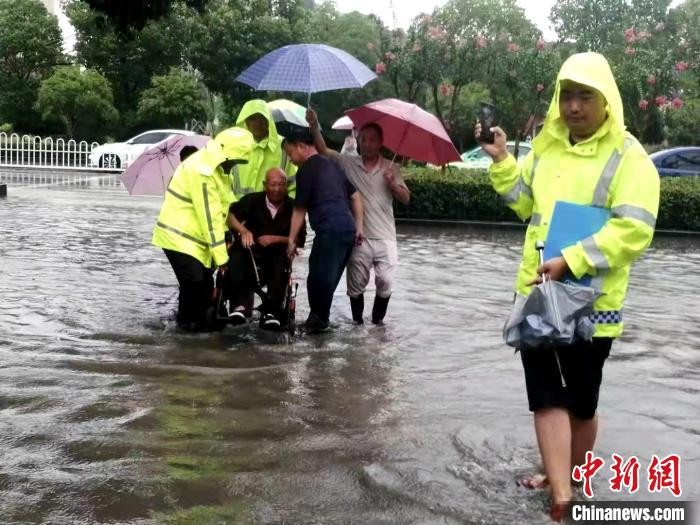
[[553, 429], [583, 436]]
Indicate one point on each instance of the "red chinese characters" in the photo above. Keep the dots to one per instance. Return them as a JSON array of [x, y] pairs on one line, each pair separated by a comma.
[[662, 474], [584, 473], [665, 474], [625, 475]]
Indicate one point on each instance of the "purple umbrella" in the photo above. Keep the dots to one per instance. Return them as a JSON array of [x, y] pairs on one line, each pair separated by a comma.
[[151, 172], [308, 68]]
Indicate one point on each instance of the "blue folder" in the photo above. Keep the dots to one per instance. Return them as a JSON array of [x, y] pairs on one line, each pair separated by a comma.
[[572, 223]]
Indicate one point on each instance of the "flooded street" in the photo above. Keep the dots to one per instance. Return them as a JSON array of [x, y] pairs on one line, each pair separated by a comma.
[[108, 414]]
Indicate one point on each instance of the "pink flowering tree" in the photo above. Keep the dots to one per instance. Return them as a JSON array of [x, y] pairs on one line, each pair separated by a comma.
[[523, 85], [651, 73], [447, 58], [654, 52]]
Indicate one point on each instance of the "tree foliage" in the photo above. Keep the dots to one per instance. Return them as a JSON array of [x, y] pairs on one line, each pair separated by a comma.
[[447, 61], [129, 56], [30, 47], [82, 100], [173, 100]]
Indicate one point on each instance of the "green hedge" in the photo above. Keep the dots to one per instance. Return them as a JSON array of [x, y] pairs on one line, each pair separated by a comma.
[[462, 195]]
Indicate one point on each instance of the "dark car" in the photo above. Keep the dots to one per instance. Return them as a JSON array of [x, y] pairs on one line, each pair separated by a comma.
[[677, 162]]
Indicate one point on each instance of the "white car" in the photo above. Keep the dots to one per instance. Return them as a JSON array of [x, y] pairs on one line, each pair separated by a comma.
[[118, 155]]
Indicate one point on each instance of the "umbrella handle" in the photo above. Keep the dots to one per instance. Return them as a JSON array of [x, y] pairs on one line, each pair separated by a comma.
[[403, 137], [539, 246], [308, 100]]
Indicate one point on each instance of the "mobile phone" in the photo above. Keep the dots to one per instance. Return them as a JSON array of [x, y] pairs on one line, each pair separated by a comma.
[[487, 119]]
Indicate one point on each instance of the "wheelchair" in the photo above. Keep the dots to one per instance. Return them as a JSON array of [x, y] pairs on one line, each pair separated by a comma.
[[219, 311]]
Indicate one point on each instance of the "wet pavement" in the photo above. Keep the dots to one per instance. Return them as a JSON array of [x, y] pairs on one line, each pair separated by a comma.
[[108, 414]]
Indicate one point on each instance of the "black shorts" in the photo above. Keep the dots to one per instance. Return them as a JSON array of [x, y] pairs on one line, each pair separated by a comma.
[[582, 368]]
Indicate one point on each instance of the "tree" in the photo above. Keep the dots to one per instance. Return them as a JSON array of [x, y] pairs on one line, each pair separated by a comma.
[[598, 25], [129, 15], [174, 100], [523, 85], [361, 36], [685, 21], [228, 37], [684, 124], [82, 100], [128, 50], [30, 46], [464, 45], [649, 50]]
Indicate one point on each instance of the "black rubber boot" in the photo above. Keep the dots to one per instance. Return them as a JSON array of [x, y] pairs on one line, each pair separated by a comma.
[[379, 309], [357, 305]]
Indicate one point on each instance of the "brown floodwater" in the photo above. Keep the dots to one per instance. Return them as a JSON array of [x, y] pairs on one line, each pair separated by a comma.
[[109, 414]]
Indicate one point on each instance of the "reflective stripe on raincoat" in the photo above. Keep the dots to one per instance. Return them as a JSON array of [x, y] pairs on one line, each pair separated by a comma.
[[609, 169], [192, 219], [266, 154]]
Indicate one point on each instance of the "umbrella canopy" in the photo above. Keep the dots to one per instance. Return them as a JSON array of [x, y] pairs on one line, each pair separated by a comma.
[[151, 172], [307, 68], [554, 313], [408, 130], [343, 122], [284, 110]]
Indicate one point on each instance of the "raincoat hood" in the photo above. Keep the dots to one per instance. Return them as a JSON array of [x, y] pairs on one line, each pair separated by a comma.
[[230, 144], [260, 106], [593, 70]]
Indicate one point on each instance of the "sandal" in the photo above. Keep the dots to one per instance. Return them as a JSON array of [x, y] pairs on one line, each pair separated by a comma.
[[533, 481]]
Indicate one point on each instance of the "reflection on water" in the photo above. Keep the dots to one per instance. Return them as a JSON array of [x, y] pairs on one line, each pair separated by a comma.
[[109, 415]]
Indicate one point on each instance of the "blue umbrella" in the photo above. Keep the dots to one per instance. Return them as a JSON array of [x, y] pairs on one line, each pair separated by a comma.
[[308, 68]]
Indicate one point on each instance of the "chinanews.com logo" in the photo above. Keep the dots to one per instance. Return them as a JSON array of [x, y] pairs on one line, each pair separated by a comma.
[[661, 475], [632, 512]]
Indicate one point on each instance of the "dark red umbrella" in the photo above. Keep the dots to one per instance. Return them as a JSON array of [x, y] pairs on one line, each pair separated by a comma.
[[409, 131]]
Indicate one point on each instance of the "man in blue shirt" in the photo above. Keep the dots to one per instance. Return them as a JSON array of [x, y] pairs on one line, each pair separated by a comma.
[[335, 213]]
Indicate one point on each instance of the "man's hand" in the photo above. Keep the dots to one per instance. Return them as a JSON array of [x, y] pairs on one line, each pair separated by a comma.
[[359, 237], [497, 151], [312, 119], [223, 268], [267, 240], [291, 249], [247, 239], [554, 269], [390, 175]]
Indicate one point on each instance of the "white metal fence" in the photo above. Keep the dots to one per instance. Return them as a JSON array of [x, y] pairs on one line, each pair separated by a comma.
[[25, 151]]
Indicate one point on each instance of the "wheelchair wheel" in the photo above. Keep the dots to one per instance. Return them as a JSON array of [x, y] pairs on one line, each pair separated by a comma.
[[212, 322], [290, 308]]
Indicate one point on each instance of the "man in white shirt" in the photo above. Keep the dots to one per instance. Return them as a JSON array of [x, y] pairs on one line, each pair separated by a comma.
[[379, 182]]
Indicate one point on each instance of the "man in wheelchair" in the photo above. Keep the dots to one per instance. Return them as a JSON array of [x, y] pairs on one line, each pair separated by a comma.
[[258, 255]]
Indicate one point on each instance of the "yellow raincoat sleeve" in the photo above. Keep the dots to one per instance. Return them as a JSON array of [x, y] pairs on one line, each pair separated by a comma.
[[210, 215], [291, 171], [513, 182], [634, 204]]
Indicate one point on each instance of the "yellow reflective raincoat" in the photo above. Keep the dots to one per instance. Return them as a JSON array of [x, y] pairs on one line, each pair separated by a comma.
[[610, 169], [192, 219], [267, 153]]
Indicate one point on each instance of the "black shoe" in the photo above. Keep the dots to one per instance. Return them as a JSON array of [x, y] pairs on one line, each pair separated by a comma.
[[314, 324], [357, 305], [237, 316], [270, 322], [379, 309]]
